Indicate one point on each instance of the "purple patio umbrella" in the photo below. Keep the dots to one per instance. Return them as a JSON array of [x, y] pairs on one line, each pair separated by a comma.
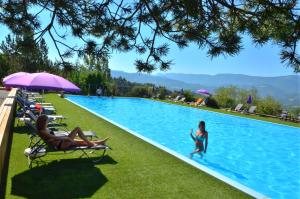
[[203, 92], [249, 100], [14, 75], [42, 81]]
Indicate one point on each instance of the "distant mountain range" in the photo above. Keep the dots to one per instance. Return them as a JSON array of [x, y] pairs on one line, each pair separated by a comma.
[[285, 89]]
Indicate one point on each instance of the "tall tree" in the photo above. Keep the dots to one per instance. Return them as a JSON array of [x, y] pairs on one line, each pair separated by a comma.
[[137, 25], [21, 53], [9, 56], [99, 64], [4, 67]]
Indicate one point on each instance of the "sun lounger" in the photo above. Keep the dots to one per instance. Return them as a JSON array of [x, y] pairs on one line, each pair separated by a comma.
[[21, 113], [182, 99], [56, 117], [38, 100], [196, 103], [29, 93], [38, 148], [61, 133], [177, 98], [288, 117], [47, 110], [252, 110], [43, 106], [51, 117], [283, 115], [238, 107], [32, 105], [32, 117], [41, 103], [41, 148], [23, 120], [29, 121], [30, 96], [57, 131], [199, 101]]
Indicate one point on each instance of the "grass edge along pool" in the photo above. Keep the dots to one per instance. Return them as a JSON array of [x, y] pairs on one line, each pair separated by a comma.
[[217, 175]]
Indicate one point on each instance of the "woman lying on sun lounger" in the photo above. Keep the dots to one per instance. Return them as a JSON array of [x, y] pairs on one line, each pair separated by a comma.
[[63, 142], [201, 136]]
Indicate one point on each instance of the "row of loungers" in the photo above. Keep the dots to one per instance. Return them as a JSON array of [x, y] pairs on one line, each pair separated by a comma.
[[239, 108], [252, 110], [28, 110], [198, 102]]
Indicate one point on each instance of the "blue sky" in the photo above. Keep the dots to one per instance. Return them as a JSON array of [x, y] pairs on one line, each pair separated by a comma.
[[252, 60]]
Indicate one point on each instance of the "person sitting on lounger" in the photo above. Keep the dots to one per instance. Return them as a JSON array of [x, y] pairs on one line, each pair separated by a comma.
[[63, 142], [199, 138]]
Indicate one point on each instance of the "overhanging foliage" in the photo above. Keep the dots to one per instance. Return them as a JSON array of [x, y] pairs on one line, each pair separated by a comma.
[[122, 25]]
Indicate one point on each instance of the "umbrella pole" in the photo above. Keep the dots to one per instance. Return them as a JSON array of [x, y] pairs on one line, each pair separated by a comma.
[[42, 96]]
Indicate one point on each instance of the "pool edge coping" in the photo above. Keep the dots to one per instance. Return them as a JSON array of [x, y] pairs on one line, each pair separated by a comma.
[[205, 169]]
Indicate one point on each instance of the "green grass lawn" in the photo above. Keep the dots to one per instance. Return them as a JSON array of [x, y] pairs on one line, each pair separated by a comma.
[[133, 169], [268, 119]]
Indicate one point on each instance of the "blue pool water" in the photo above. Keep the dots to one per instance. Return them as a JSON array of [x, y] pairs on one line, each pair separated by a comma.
[[260, 155]]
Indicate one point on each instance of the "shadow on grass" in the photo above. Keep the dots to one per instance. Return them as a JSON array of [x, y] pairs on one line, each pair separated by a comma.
[[106, 160], [73, 178], [22, 129]]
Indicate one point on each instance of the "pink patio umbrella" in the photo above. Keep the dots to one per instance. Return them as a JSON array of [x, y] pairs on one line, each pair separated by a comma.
[[42, 81], [14, 75], [203, 92]]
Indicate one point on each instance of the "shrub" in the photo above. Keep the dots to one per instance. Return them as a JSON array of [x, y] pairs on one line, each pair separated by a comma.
[[162, 92], [229, 97], [211, 102], [139, 91], [226, 97], [174, 94], [123, 87], [243, 94], [269, 106], [188, 96], [295, 111]]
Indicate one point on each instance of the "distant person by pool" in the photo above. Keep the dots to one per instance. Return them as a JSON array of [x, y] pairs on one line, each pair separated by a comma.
[[62, 94], [99, 91], [199, 139]]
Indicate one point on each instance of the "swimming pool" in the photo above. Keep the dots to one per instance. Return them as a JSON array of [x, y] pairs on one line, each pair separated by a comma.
[[260, 155]]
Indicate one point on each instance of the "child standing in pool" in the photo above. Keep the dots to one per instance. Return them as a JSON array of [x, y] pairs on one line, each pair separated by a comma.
[[199, 139]]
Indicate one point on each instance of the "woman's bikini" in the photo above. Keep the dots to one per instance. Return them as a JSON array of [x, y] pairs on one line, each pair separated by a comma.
[[200, 140]]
